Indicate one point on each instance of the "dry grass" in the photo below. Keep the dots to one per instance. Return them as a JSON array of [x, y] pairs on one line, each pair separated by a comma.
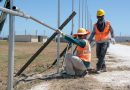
[[23, 51], [125, 43]]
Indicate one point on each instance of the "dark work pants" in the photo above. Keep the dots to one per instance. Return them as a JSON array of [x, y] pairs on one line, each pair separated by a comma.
[[101, 49]]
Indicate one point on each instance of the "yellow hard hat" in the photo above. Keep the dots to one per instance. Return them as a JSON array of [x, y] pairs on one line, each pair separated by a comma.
[[82, 31], [100, 12]]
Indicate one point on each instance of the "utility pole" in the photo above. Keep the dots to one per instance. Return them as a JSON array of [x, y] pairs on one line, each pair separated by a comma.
[[11, 51]]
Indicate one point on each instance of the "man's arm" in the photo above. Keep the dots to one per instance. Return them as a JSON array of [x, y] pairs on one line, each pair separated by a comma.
[[78, 42], [112, 32], [92, 35], [112, 35]]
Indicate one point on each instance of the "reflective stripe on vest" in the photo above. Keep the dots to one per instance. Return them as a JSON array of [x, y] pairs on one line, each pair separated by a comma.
[[84, 53], [102, 36]]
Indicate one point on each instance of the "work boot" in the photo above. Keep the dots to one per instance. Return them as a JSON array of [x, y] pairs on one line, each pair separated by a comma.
[[81, 73], [84, 73], [64, 74], [103, 68], [98, 71]]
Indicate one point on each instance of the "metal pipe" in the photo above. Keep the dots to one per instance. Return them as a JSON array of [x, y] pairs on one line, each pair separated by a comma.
[[21, 14], [72, 25], [85, 13], [15, 13], [73, 18], [82, 13], [58, 38], [79, 13], [11, 51], [38, 21]]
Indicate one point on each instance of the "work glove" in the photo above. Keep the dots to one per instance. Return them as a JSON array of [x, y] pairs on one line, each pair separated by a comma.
[[60, 32], [113, 41], [74, 36]]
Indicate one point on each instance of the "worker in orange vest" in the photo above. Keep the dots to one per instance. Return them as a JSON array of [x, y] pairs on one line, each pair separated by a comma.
[[101, 31], [78, 64]]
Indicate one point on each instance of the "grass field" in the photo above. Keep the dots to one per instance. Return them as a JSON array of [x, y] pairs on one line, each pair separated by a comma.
[[23, 51]]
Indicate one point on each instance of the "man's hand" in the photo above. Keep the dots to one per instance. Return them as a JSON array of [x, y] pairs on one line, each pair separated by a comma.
[[113, 41], [60, 32]]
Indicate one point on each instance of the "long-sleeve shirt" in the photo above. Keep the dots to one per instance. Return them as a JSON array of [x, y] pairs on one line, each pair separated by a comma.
[[101, 28], [79, 42]]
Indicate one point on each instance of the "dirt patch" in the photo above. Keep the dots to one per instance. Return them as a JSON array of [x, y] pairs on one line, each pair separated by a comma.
[[41, 86], [86, 83], [118, 75], [116, 80]]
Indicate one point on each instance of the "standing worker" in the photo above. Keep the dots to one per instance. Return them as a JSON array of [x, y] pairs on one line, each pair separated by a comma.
[[101, 31], [78, 64]]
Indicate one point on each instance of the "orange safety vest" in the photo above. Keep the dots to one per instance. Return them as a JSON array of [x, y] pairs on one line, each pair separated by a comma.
[[84, 53], [102, 36]]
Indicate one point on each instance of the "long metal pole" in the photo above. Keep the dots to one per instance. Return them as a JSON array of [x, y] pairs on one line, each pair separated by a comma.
[[82, 13], [58, 38], [79, 13], [85, 13], [72, 25], [38, 21], [22, 14], [91, 23], [72, 18], [11, 50]]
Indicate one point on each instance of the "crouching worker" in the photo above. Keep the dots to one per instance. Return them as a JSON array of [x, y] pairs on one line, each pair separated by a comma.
[[78, 64]]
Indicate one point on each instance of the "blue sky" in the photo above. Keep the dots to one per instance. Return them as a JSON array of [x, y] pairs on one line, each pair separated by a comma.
[[117, 12]]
